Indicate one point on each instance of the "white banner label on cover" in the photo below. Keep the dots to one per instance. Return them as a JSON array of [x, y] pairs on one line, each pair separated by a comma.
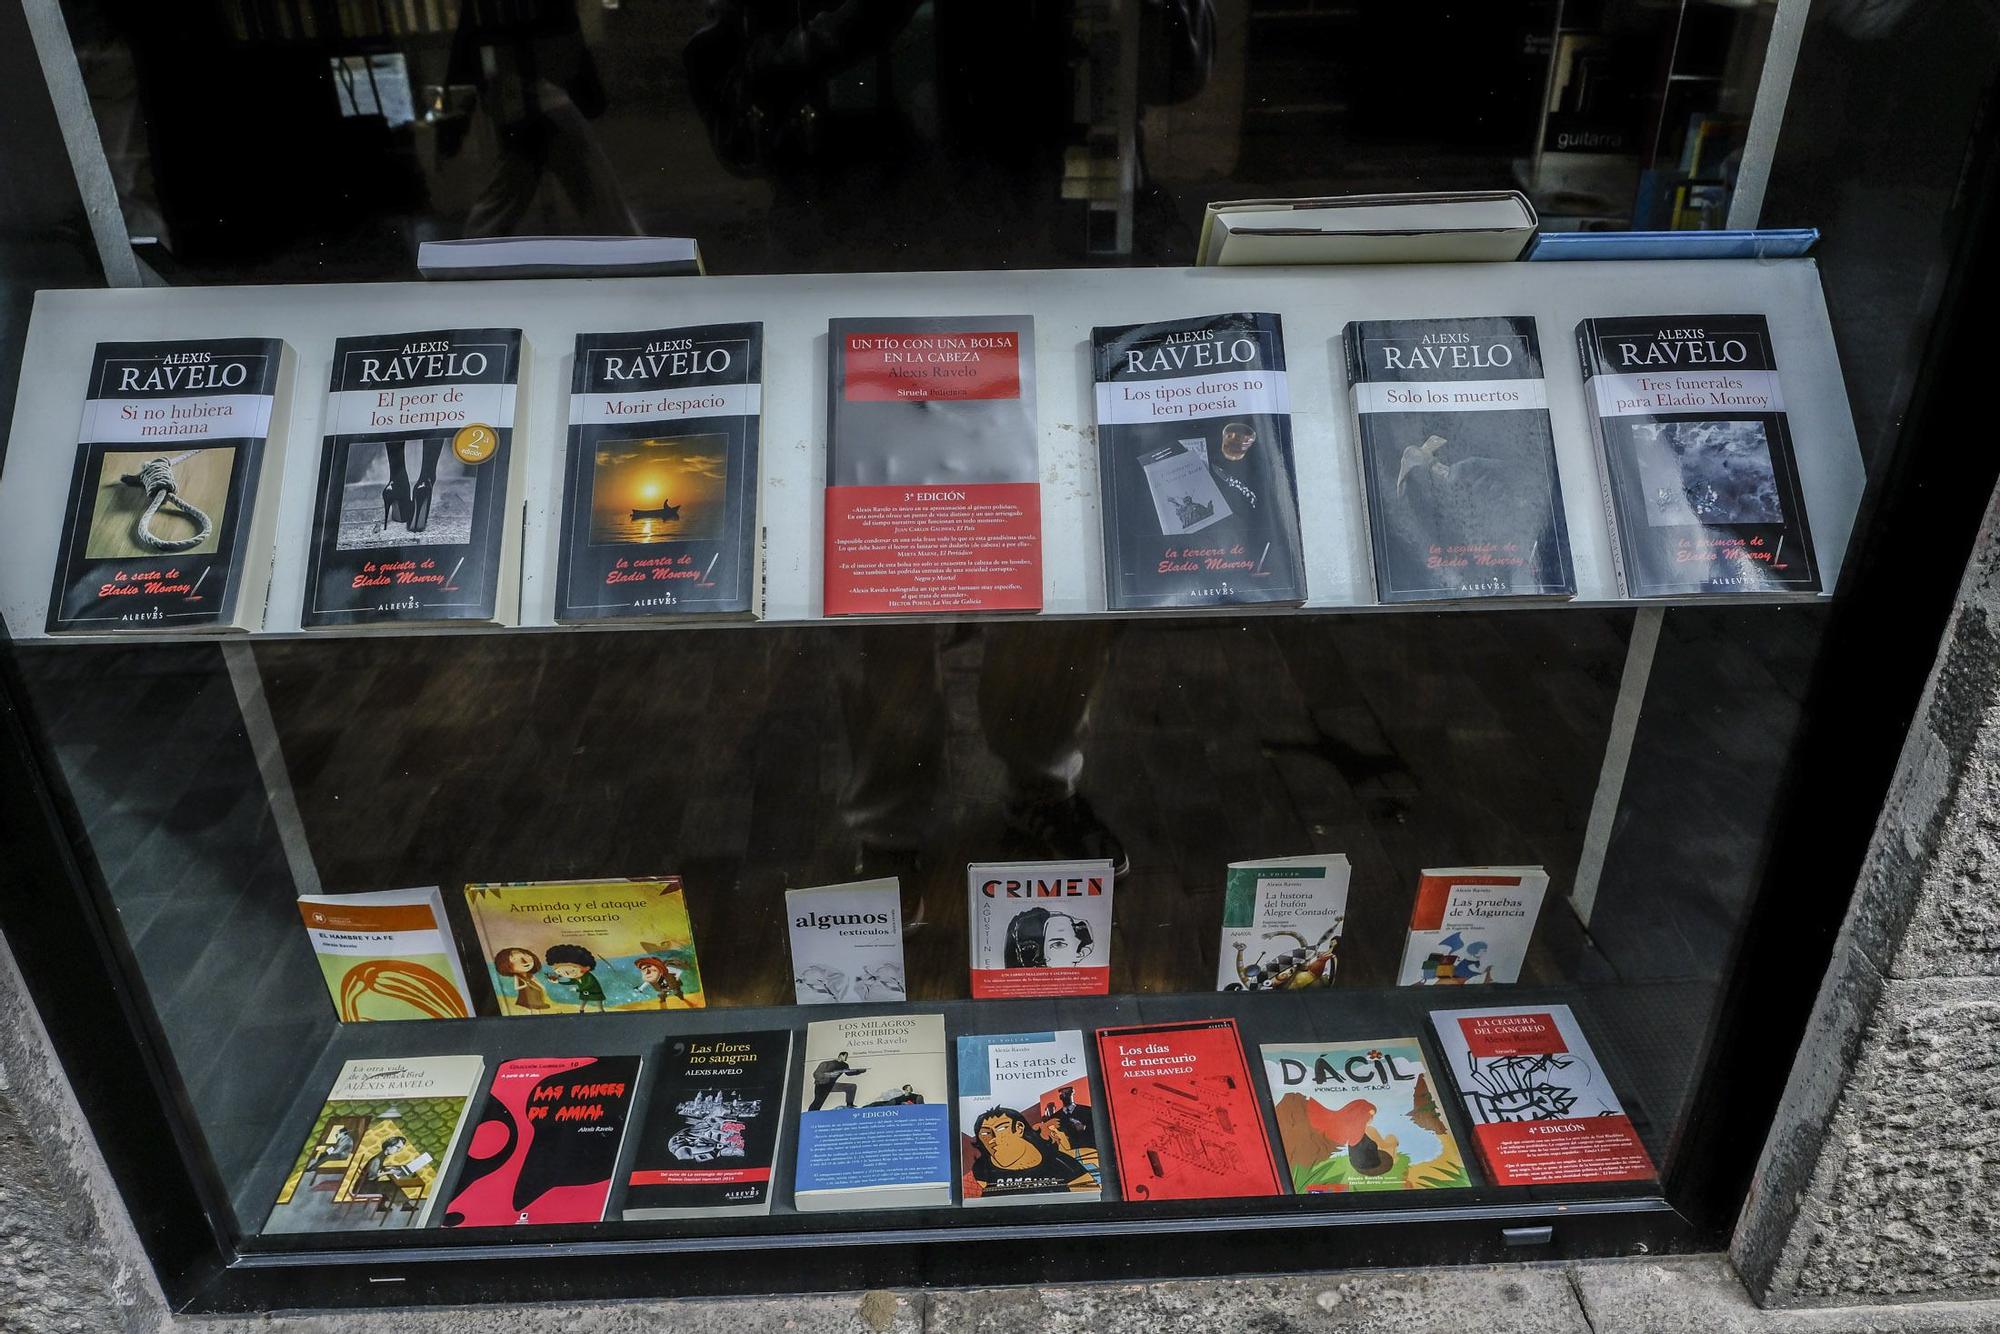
[[1221, 394], [1450, 395], [434, 407], [164, 420], [1644, 393], [714, 400]]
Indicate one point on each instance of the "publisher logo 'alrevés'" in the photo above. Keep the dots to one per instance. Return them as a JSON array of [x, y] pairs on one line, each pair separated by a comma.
[[1071, 887]]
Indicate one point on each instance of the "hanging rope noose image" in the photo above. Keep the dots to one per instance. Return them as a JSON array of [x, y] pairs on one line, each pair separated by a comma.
[[156, 478]]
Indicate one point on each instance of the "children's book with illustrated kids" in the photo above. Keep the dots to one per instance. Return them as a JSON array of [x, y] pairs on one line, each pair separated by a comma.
[[587, 946]]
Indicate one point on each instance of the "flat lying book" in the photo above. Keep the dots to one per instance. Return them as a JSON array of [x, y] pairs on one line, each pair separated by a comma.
[[847, 942], [1040, 928], [1025, 1130], [710, 1133], [1281, 923], [875, 1127], [546, 1143], [1195, 467], [933, 478], [1360, 1116], [1413, 228], [1472, 925], [174, 497], [379, 1147], [1185, 1122], [587, 946], [387, 954], [417, 517], [560, 257], [660, 513], [1541, 1108], [1700, 480], [1458, 462]]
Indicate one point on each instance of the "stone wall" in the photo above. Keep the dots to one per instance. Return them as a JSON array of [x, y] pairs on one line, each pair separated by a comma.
[[1879, 1178]]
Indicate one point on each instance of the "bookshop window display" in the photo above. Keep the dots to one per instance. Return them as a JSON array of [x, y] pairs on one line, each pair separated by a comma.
[[550, 786]]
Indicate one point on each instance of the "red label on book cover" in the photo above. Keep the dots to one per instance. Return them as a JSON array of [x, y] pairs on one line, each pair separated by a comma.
[[942, 548], [1434, 892], [1183, 1114], [1530, 1034], [931, 367], [1591, 1148], [700, 1176], [1010, 982]]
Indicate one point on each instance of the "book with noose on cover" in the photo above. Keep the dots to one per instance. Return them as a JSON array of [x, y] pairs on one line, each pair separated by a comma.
[[173, 501]]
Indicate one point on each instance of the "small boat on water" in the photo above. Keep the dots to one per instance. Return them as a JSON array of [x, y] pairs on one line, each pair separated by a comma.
[[665, 511]]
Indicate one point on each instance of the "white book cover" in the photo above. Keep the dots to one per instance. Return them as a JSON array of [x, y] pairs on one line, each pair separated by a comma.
[[847, 942], [1472, 925], [387, 954], [1541, 1107], [1026, 1134], [1281, 923], [1185, 496], [1040, 928], [874, 1114], [379, 1146]]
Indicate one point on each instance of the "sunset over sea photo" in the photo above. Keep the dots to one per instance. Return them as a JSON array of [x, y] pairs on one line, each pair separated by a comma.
[[659, 490]]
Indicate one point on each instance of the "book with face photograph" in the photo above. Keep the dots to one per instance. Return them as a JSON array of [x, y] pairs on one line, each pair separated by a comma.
[[1040, 928], [1458, 462], [1195, 468], [173, 500], [1701, 482], [417, 517], [660, 490]]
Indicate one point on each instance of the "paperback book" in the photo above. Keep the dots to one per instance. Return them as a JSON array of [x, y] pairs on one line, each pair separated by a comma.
[[1025, 1129], [875, 1130], [1360, 1116], [1185, 1124], [1040, 928], [387, 954], [173, 500], [379, 1147], [1281, 923], [418, 511], [545, 1148], [1700, 479], [587, 946], [710, 1134], [1458, 463], [1472, 925], [1195, 467], [1541, 1108], [847, 942], [933, 479], [660, 496]]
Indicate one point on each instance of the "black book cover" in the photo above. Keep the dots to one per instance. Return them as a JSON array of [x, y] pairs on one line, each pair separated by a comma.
[[660, 486], [710, 1133], [1194, 447], [545, 1146], [1699, 474], [1458, 463], [171, 447], [412, 506]]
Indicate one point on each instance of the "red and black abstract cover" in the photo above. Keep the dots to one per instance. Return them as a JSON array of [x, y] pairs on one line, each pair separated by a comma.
[[1184, 1117], [546, 1142]]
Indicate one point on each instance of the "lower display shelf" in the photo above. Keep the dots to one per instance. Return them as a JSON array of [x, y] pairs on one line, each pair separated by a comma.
[[1647, 1075]]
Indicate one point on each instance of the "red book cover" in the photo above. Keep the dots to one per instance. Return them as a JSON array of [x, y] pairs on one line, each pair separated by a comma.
[[1542, 1110], [1185, 1119], [546, 1143], [933, 480]]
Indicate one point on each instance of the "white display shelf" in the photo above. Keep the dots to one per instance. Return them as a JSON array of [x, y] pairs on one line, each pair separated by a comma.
[[1314, 302]]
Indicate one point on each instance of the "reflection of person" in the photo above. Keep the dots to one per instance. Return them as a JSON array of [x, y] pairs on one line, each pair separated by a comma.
[[1038, 938], [827, 1081], [658, 976], [572, 966], [1012, 1153], [1236, 469], [522, 965]]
